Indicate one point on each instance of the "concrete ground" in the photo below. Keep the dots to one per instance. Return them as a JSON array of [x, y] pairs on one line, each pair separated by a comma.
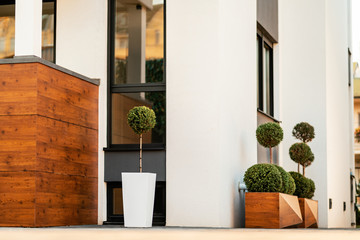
[[162, 233]]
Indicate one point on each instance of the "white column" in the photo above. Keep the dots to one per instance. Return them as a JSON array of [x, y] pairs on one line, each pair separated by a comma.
[[28, 19]]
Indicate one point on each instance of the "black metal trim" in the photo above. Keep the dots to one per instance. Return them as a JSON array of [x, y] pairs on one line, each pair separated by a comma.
[[134, 147], [158, 219], [133, 89], [126, 88], [55, 17]]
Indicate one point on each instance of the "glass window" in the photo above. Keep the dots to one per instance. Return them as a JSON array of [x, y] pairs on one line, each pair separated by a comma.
[[139, 45], [7, 32], [123, 102], [264, 76], [137, 66]]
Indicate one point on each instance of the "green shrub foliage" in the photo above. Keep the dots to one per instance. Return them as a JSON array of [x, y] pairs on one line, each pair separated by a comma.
[[263, 177], [141, 119], [285, 179], [304, 132], [301, 153], [269, 134], [292, 186], [305, 187], [312, 189]]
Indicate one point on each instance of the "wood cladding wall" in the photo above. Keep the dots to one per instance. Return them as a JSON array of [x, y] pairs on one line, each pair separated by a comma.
[[49, 147]]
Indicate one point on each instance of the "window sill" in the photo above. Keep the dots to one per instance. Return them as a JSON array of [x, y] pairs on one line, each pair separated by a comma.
[[135, 147], [268, 116]]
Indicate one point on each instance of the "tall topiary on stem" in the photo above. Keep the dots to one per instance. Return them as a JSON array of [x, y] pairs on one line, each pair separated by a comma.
[[269, 135], [141, 119], [305, 133], [301, 153]]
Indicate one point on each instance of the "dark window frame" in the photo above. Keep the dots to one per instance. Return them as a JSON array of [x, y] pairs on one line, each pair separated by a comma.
[[12, 2], [159, 217], [349, 66], [127, 88], [263, 43]]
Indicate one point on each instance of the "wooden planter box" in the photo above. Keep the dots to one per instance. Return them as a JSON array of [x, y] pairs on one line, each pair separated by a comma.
[[309, 212], [271, 210]]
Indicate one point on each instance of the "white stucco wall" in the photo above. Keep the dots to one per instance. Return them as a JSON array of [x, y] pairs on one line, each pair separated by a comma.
[[81, 46], [338, 113], [211, 109], [314, 88]]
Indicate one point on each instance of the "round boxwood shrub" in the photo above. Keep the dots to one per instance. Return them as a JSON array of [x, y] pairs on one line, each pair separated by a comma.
[[263, 177], [301, 153], [292, 185], [303, 185], [269, 135], [304, 132], [141, 119], [285, 179]]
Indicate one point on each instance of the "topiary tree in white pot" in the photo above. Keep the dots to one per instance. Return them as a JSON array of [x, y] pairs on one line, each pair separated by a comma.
[[141, 120], [139, 187]]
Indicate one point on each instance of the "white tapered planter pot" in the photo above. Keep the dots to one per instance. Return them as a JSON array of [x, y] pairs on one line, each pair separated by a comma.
[[138, 198]]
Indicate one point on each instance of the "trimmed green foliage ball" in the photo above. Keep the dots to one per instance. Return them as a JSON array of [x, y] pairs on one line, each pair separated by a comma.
[[304, 132], [263, 177], [301, 153], [141, 119], [292, 185], [312, 189], [285, 179], [269, 134], [303, 185]]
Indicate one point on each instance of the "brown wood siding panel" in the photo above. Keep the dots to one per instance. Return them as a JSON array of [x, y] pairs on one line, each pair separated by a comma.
[[18, 89], [65, 148], [65, 200], [18, 143], [67, 98], [49, 139], [17, 199]]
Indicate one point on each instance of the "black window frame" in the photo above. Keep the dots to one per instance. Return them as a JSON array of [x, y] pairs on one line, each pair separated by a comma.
[[263, 43], [159, 215], [127, 88], [12, 2]]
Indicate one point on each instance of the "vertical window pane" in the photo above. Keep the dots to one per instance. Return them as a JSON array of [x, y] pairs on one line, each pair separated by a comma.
[[123, 102], [257, 71], [266, 81], [117, 201], [7, 33], [48, 26], [139, 42]]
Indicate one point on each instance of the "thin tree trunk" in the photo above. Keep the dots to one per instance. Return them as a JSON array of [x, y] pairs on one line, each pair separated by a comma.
[[298, 167], [140, 152], [271, 156], [304, 171]]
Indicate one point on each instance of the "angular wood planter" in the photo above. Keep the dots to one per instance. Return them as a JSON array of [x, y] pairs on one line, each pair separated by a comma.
[[309, 212], [271, 210]]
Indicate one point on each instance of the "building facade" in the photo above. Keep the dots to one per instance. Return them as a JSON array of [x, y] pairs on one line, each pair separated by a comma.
[[212, 71]]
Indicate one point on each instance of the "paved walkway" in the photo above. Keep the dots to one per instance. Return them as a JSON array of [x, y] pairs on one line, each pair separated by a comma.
[[161, 233]]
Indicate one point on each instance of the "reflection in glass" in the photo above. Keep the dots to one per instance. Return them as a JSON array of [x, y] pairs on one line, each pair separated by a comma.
[[123, 102], [118, 201], [7, 33], [139, 42]]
